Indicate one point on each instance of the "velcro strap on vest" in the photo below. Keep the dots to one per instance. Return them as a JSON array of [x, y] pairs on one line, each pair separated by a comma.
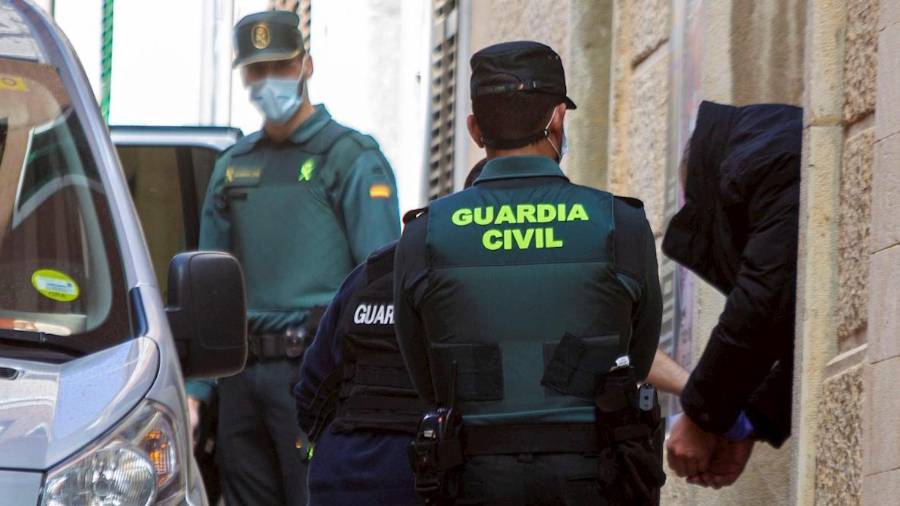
[[480, 370], [575, 362], [530, 438], [382, 377]]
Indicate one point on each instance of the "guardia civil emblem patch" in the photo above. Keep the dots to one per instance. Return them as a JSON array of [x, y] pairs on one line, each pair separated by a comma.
[[260, 36]]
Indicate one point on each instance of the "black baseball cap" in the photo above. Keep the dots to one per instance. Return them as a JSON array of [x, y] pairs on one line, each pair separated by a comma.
[[522, 66], [267, 36]]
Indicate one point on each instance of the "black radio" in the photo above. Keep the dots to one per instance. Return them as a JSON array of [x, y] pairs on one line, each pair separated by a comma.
[[436, 453]]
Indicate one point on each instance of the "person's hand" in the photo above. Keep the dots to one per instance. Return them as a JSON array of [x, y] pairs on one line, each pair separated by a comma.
[[690, 448], [193, 413], [726, 465]]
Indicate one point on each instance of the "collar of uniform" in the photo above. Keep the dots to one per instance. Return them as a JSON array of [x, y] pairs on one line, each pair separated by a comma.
[[312, 125], [514, 167]]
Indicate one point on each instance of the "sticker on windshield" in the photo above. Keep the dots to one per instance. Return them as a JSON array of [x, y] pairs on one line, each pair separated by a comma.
[[13, 83], [55, 285]]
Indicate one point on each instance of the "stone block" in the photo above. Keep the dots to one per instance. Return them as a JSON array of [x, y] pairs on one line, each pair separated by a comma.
[[881, 489], [839, 442], [518, 20], [884, 308], [882, 446], [888, 13], [650, 22], [647, 139], [854, 232], [860, 59], [887, 109], [886, 194]]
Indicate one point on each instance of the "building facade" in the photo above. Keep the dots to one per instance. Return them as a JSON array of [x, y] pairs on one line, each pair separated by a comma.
[[638, 70]]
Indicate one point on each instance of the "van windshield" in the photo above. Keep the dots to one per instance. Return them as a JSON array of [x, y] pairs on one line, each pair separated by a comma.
[[61, 281]]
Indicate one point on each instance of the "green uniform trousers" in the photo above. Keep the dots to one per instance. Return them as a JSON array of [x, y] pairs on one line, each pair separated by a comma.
[[259, 461]]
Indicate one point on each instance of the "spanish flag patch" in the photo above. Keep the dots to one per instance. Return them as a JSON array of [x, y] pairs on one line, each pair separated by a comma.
[[380, 191]]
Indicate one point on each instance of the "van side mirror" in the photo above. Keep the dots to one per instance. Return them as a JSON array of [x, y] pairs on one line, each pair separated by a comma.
[[207, 311]]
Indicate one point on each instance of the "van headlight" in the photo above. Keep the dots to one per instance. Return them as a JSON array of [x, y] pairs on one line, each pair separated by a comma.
[[137, 464]]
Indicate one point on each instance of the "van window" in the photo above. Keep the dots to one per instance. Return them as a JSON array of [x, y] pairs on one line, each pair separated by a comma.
[[168, 184], [61, 279]]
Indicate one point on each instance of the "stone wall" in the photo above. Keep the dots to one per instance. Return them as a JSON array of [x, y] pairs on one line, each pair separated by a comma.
[[856, 175], [839, 448], [881, 482]]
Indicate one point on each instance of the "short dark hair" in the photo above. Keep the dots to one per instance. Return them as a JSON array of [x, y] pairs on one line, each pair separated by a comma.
[[514, 116]]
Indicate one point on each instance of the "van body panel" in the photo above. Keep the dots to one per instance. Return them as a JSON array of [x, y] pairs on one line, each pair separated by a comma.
[[50, 411], [20, 487]]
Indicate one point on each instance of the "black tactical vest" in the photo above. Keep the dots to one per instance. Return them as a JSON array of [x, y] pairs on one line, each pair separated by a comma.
[[376, 392]]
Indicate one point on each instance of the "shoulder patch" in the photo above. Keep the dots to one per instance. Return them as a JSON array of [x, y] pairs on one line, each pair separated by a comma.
[[413, 214], [631, 201]]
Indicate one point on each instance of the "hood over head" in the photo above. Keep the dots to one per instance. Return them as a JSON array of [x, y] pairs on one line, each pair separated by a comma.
[[730, 152]]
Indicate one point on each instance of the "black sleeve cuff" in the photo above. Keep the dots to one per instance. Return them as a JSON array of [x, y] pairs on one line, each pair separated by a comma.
[[720, 386]]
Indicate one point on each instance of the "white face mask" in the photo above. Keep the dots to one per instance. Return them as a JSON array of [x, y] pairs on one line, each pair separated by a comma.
[[277, 98]]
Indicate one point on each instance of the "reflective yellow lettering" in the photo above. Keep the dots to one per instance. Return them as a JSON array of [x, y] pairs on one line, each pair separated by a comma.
[[539, 238], [505, 215], [561, 212], [462, 217], [546, 213], [523, 240], [507, 240], [525, 213], [484, 215], [551, 242], [578, 213], [492, 240]]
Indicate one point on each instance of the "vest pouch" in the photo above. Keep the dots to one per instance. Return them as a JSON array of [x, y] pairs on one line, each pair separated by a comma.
[[479, 370], [573, 364]]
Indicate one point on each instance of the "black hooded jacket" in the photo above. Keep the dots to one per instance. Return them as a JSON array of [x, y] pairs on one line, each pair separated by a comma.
[[738, 231]]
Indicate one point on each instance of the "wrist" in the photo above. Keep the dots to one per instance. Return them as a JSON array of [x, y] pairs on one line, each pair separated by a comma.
[[740, 430]]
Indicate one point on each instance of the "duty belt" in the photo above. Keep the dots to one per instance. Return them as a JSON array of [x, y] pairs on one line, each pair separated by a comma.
[[530, 438], [287, 344]]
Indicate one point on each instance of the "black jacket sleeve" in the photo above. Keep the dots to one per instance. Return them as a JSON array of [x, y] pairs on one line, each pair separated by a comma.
[[770, 406], [636, 258], [756, 328]]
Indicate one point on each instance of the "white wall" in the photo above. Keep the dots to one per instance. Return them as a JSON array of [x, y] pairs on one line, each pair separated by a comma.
[[371, 70]]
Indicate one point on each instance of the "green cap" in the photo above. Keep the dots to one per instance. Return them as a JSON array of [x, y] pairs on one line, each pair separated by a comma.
[[267, 36]]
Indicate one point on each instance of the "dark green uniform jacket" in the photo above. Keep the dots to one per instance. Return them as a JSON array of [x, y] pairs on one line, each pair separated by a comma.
[[299, 215], [532, 285]]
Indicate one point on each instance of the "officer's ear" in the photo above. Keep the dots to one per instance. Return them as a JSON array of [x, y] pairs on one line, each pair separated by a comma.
[[474, 130], [306, 66], [558, 120]]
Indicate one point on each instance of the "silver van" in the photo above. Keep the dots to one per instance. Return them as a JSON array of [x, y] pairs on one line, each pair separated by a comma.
[[92, 407]]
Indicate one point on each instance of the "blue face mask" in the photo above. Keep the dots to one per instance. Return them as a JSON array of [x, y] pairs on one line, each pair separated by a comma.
[[564, 146], [276, 98]]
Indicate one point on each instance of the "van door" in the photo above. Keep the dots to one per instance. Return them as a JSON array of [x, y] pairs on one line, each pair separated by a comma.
[[168, 170]]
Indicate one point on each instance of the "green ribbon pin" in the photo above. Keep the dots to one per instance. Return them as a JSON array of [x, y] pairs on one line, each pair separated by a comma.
[[306, 170]]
